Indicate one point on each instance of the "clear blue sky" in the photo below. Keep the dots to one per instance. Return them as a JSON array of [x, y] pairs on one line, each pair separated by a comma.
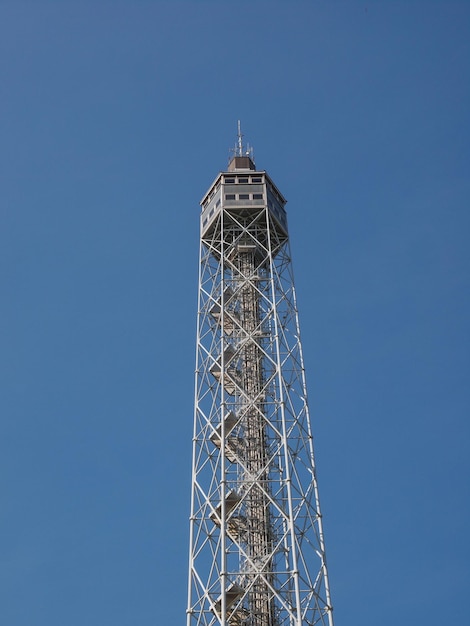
[[114, 119]]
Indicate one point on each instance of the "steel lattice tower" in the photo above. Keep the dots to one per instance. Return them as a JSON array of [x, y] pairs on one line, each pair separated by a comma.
[[257, 556]]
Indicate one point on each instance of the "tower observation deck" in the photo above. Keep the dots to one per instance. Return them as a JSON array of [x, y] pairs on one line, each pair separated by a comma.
[[257, 554]]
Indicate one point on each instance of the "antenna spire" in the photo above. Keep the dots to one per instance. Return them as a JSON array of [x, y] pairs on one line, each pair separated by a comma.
[[240, 150], [240, 140]]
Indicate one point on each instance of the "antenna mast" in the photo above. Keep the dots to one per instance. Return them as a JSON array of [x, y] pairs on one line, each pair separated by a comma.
[[240, 140], [240, 150]]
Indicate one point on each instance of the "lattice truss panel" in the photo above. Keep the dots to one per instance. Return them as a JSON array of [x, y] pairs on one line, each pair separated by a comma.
[[256, 528]]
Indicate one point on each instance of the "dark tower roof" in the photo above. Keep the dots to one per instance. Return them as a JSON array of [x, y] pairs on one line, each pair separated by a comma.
[[241, 163]]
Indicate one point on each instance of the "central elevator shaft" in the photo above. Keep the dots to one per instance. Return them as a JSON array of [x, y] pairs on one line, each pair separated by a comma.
[[255, 478]]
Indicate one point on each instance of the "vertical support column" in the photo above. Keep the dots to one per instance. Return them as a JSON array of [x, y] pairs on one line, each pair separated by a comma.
[[256, 479]]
